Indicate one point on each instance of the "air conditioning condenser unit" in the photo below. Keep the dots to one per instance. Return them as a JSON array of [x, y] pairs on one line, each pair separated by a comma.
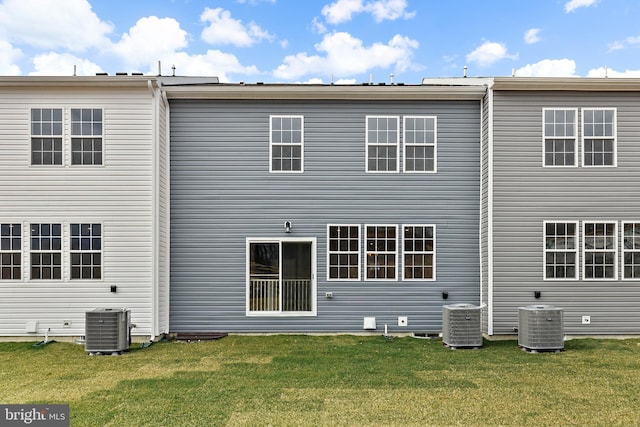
[[461, 326], [540, 328], [107, 330]]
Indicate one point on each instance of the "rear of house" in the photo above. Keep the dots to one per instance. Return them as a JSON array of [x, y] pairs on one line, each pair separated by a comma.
[[81, 167], [561, 206], [300, 208]]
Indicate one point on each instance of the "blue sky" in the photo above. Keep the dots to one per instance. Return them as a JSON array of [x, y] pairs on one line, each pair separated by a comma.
[[319, 41]]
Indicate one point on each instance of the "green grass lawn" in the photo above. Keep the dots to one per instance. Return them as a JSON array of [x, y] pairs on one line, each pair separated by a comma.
[[292, 380]]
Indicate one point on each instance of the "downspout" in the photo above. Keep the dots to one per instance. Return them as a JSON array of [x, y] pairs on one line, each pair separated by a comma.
[[490, 302], [167, 171], [155, 297]]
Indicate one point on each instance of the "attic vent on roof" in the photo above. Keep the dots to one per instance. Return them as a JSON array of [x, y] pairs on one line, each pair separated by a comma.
[[122, 74], [102, 74]]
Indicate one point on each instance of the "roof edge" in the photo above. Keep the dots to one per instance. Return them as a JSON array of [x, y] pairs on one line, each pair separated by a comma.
[[611, 84], [324, 92]]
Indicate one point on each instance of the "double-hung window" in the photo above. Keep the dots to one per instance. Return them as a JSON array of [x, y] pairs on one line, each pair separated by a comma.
[[560, 250], [286, 143], [382, 141], [86, 251], [600, 250], [420, 143], [631, 250], [10, 251], [343, 252], [86, 136], [46, 251], [419, 252], [382, 252], [46, 136], [560, 137], [599, 137]]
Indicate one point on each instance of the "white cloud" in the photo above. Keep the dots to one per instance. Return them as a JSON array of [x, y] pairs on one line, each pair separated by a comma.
[[223, 29], [608, 72], [56, 64], [489, 53], [345, 82], [532, 36], [623, 44], [8, 56], [317, 26], [549, 68], [45, 24], [343, 10], [345, 55], [212, 63], [148, 40], [572, 5], [389, 10]]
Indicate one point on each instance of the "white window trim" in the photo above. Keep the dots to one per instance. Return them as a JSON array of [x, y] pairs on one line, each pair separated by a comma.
[[61, 136], [367, 144], [314, 281], [70, 136], [614, 138], [615, 250], [329, 279], [67, 136], [624, 251], [433, 253], [63, 252], [366, 253], [434, 145], [575, 138], [70, 251], [271, 143], [545, 250], [20, 250]]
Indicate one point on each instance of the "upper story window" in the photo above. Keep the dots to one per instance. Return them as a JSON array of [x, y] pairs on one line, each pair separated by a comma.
[[600, 250], [86, 136], [286, 143], [561, 250], [560, 137], [599, 136], [382, 140], [420, 138], [382, 252], [46, 251], [343, 252], [10, 251], [46, 136], [86, 251], [419, 252]]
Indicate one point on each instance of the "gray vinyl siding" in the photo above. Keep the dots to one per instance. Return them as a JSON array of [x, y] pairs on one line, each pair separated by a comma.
[[526, 194], [117, 194], [222, 193]]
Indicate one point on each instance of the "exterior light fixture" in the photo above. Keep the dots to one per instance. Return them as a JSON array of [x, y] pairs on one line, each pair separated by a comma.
[[287, 226]]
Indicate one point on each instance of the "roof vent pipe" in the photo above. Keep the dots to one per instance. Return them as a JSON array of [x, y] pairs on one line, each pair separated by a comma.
[[159, 68], [391, 76], [513, 72], [464, 71], [74, 70], [370, 78], [173, 70]]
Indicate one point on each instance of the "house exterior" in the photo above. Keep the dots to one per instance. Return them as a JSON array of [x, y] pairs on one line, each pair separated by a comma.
[[84, 203], [560, 202], [321, 208]]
